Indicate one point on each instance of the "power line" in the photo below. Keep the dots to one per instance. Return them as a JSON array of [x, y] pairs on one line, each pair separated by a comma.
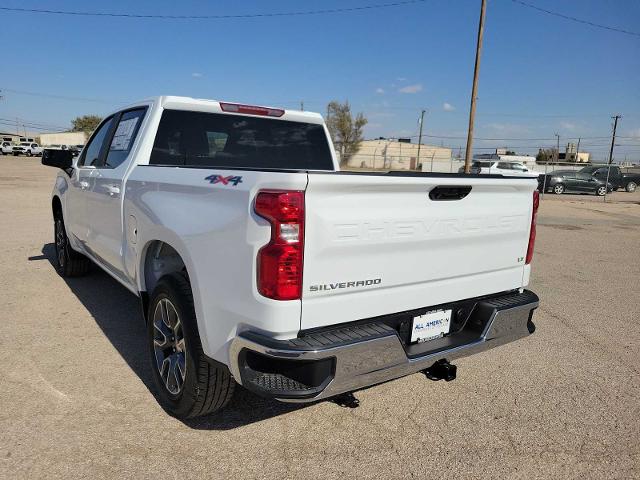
[[578, 20], [496, 139], [28, 122], [43, 129], [62, 97], [215, 17]]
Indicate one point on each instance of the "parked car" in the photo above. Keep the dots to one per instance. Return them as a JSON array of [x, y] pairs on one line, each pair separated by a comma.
[[6, 148], [27, 148], [564, 181], [497, 167], [628, 181], [205, 210], [56, 146], [76, 149]]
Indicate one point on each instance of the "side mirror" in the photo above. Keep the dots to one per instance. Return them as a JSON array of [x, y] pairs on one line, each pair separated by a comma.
[[57, 158]]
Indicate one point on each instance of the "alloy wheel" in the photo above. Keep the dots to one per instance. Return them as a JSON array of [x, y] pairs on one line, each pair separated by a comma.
[[61, 243], [602, 191], [169, 346], [631, 187], [558, 189]]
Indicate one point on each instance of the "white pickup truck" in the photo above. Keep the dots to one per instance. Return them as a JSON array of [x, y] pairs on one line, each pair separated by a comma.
[[258, 262]]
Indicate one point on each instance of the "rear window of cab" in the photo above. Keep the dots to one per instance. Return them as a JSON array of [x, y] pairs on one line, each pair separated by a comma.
[[201, 139]]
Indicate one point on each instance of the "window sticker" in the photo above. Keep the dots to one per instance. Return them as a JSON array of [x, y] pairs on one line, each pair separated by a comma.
[[124, 133]]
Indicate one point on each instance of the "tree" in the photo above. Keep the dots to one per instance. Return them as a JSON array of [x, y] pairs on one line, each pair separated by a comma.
[[546, 155], [345, 130], [85, 123]]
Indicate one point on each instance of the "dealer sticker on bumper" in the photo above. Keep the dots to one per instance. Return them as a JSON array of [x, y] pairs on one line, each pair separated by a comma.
[[430, 326]]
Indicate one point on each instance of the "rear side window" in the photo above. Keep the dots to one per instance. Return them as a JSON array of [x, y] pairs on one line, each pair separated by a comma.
[[235, 141], [124, 137], [481, 164]]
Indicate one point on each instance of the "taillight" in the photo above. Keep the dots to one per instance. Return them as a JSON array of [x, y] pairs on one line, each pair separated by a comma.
[[251, 109], [279, 262], [532, 232]]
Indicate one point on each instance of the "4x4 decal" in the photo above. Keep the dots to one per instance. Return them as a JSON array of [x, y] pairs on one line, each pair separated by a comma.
[[235, 179]]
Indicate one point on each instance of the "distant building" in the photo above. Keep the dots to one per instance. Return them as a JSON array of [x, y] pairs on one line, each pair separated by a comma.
[[572, 155], [17, 138], [64, 138], [398, 154]]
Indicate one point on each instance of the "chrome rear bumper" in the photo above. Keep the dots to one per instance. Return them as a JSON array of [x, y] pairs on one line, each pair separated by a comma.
[[368, 354]]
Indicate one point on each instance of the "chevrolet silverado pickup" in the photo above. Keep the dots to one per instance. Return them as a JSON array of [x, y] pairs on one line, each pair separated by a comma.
[[258, 262]]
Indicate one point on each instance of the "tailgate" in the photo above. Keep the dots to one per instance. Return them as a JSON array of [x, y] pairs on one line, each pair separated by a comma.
[[377, 243]]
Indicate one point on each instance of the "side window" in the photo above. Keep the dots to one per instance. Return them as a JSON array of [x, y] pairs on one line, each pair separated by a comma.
[[124, 136], [504, 166], [91, 154]]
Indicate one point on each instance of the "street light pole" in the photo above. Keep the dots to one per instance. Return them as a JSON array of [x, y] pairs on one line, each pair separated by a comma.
[[474, 90]]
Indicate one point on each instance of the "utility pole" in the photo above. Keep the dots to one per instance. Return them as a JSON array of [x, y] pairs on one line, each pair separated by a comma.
[[420, 137], [613, 137], [474, 90], [557, 155], [302, 105], [578, 151]]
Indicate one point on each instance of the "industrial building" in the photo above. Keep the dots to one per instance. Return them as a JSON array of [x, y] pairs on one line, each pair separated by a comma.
[[397, 154], [63, 138]]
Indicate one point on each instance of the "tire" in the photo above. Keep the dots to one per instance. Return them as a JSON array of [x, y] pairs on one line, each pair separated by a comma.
[[558, 189], [601, 191], [188, 384], [69, 263], [29, 153], [631, 187]]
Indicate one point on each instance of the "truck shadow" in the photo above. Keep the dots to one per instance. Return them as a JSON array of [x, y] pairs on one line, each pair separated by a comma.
[[117, 313]]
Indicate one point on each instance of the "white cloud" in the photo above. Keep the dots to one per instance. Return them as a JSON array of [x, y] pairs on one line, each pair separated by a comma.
[[381, 115], [380, 90], [567, 126], [508, 129], [196, 75], [447, 107], [415, 88]]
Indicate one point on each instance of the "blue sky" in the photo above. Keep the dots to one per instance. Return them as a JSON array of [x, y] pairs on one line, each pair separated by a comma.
[[540, 74]]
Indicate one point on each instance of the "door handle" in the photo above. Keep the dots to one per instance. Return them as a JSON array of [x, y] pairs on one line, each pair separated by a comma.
[[84, 185], [113, 190]]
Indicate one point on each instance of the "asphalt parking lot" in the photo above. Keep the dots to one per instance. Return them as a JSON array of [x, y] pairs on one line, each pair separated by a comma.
[[565, 403]]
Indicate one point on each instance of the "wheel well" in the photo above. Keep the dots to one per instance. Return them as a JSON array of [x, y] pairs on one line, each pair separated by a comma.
[[161, 259], [56, 207]]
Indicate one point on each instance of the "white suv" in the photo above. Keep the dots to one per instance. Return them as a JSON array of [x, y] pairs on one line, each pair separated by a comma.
[[27, 148], [497, 167], [6, 148]]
